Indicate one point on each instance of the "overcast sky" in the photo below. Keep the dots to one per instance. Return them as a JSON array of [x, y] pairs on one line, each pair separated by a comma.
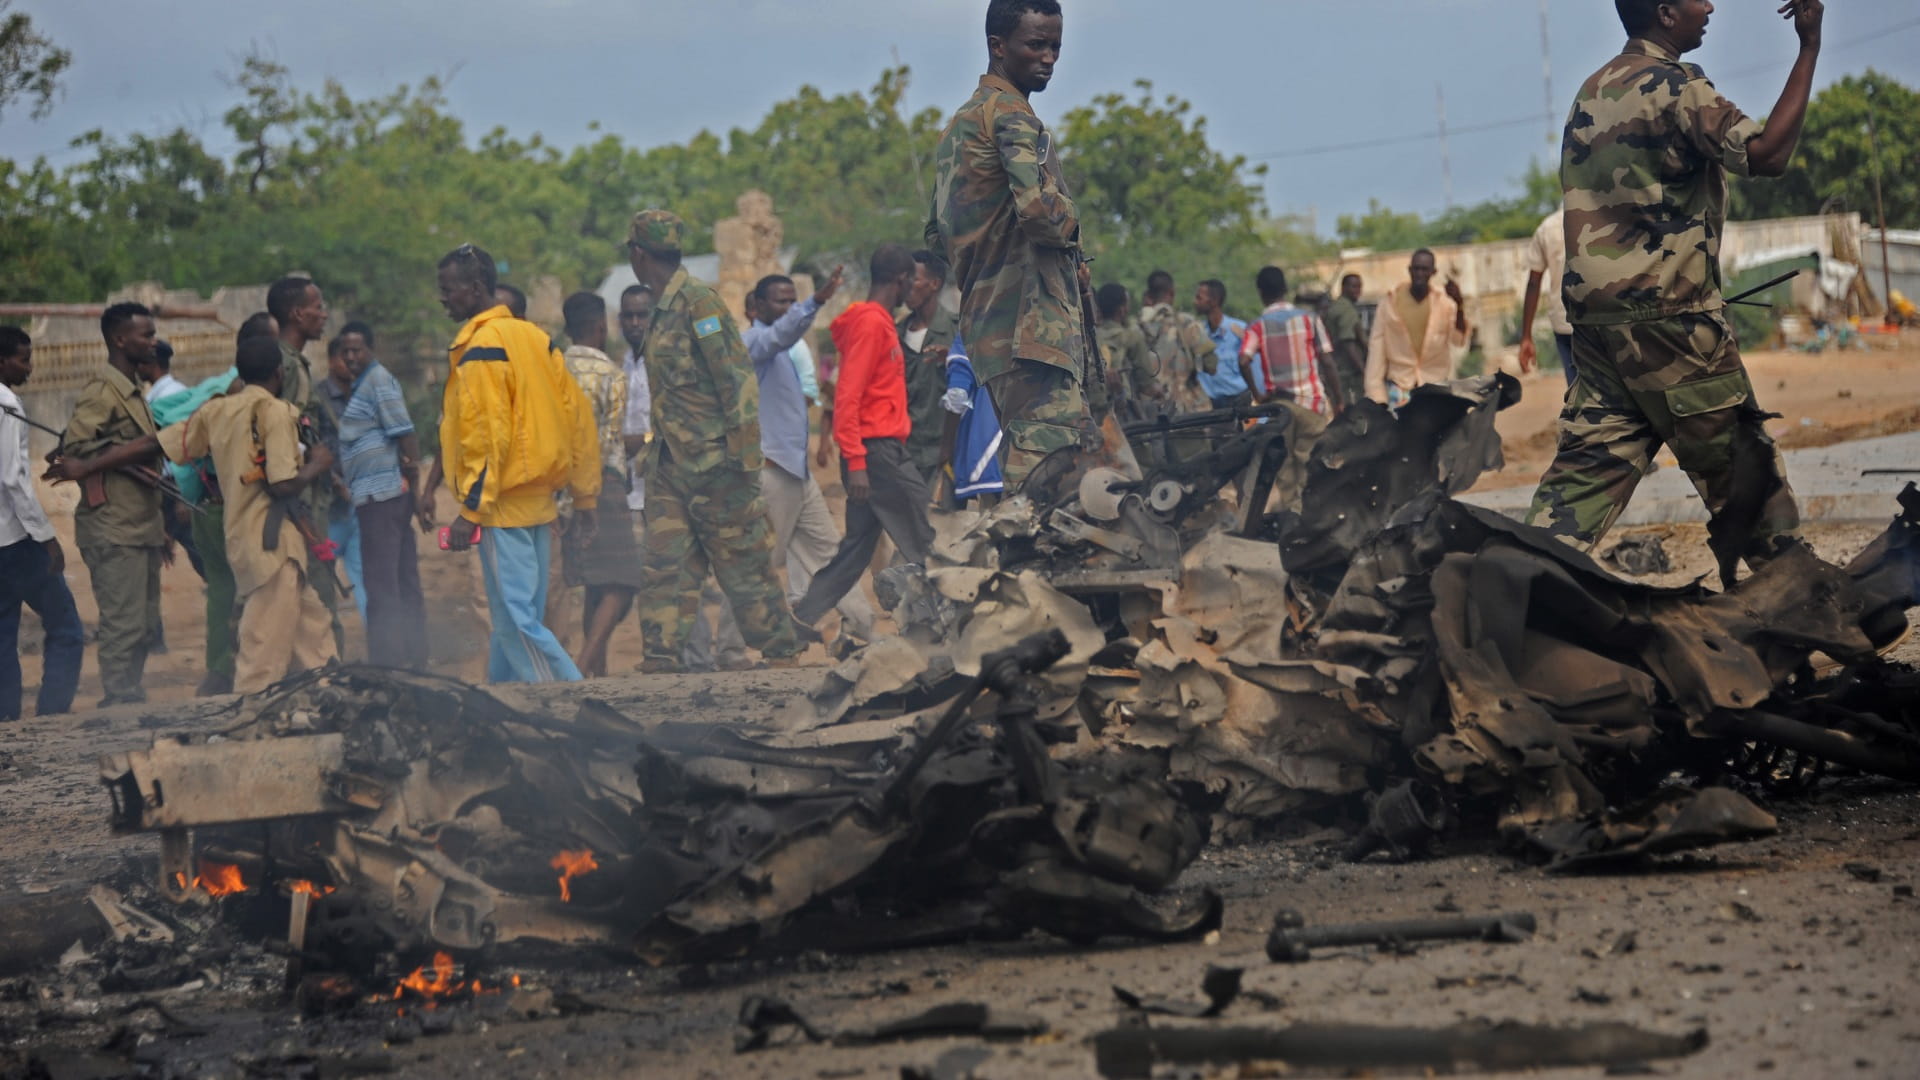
[[1275, 78]]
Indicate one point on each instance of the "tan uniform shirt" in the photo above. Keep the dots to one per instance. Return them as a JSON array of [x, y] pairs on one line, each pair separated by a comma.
[[235, 430], [112, 411]]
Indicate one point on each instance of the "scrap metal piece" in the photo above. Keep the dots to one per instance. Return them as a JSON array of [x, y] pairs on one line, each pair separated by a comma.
[[1292, 941], [1404, 819], [1675, 819], [175, 785], [1221, 985], [1477, 1046]]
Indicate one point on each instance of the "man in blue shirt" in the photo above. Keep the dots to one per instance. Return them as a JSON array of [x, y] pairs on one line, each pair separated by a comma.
[[803, 527], [380, 457], [1224, 386]]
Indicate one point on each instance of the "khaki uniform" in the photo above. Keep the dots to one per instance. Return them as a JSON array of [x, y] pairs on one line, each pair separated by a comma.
[[121, 539], [704, 512], [254, 441], [1648, 147]]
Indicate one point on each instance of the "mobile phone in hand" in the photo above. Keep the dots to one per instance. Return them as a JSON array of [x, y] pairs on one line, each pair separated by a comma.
[[446, 535]]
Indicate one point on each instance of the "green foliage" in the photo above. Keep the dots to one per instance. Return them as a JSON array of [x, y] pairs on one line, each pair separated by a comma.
[[1510, 218], [1836, 162], [366, 195], [30, 64]]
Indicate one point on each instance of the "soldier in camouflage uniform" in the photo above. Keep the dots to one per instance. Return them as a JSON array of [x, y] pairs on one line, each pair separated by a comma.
[[1132, 372], [1179, 344], [702, 468], [1648, 145], [1003, 219]]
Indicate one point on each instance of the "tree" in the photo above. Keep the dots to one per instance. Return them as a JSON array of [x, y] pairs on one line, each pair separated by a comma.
[[1836, 163], [1498, 218], [30, 64]]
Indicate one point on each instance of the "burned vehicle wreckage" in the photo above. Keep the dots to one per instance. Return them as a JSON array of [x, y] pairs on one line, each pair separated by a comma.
[[1263, 614]]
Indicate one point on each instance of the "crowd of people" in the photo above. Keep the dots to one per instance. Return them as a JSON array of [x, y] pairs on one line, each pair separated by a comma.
[[682, 472]]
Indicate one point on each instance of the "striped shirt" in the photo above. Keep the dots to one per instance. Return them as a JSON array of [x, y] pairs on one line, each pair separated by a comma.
[[1285, 345], [371, 427]]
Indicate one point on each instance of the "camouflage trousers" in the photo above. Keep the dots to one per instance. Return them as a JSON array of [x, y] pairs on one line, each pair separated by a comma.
[[715, 521], [1042, 409], [1677, 382]]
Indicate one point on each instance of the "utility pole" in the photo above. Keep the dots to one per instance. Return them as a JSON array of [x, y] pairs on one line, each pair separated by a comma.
[[1880, 211], [1546, 71], [1446, 158]]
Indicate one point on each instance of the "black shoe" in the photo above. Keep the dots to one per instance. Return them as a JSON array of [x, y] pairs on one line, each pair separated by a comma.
[[214, 685], [806, 633]]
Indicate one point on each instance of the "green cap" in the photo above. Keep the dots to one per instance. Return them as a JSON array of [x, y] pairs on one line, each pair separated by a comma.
[[657, 230]]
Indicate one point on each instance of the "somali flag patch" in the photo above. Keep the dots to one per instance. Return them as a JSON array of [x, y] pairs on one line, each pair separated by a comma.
[[707, 327]]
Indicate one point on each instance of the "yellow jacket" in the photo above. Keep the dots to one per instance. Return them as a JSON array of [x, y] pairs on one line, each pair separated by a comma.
[[514, 427]]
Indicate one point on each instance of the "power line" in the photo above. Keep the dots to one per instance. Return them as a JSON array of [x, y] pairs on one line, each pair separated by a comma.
[[1500, 125]]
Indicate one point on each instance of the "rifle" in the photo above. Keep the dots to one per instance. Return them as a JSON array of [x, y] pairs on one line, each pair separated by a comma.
[[93, 488], [1760, 288], [1115, 450]]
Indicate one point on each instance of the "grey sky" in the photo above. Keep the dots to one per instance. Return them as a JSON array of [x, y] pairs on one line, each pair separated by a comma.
[[1270, 75]]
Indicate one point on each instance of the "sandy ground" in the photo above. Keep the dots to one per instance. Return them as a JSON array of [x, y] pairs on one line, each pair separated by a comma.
[[1821, 398], [1799, 955]]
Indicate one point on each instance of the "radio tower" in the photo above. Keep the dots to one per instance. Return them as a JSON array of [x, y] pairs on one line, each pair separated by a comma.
[[1546, 72]]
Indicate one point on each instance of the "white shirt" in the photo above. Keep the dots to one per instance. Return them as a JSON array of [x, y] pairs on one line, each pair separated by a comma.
[[1547, 256], [21, 517], [166, 386], [639, 420]]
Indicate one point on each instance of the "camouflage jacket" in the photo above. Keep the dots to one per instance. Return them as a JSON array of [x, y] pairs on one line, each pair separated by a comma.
[[1181, 349], [926, 385], [1645, 160], [706, 401], [1002, 216], [1129, 359]]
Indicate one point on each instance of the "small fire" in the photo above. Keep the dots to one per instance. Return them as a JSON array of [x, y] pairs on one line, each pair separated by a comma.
[[572, 864], [440, 984], [309, 888], [214, 879]]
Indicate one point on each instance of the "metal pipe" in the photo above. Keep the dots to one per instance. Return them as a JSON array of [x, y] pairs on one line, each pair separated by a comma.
[[1292, 941]]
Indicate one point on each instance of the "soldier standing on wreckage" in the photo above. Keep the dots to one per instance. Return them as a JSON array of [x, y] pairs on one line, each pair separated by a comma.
[[1002, 217], [702, 467], [1648, 145]]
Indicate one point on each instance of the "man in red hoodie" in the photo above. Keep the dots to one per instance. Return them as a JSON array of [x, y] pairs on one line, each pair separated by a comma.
[[870, 424]]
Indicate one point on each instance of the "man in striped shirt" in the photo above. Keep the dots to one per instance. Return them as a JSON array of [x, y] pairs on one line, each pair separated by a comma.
[[1286, 343]]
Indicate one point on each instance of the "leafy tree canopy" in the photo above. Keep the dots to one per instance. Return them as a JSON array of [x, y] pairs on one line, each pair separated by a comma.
[[30, 64]]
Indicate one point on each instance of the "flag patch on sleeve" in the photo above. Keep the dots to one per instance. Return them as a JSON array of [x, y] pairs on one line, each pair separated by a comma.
[[707, 327]]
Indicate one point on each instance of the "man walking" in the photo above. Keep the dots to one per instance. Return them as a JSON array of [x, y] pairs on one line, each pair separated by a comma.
[[1546, 262], [514, 432], [1003, 219], [380, 461], [1223, 382], [117, 524], [1414, 334], [704, 511], [1284, 347], [805, 537], [885, 493], [1657, 358], [1344, 370], [1179, 345], [926, 333], [32, 564], [606, 559]]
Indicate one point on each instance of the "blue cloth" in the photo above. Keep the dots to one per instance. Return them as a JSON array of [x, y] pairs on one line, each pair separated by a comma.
[[177, 407], [520, 648], [806, 369], [1226, 382], [783, 404], [976, 442], [345, 535], [27, 577], [1563, 344], [371, 427]]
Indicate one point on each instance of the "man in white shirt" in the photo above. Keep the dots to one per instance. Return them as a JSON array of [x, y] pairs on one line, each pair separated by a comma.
[[1546, 262], [157, 373], [32, 565]]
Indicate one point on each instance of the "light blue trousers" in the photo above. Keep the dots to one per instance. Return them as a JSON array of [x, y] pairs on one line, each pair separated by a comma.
[[520, 647], [346, 536]]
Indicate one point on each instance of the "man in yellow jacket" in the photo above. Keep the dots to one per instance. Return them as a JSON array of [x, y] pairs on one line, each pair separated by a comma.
[[514, 431]]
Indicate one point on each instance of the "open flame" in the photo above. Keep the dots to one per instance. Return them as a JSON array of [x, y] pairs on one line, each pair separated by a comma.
[[441, 982], [309, 888], [572, 864], [214, 879]]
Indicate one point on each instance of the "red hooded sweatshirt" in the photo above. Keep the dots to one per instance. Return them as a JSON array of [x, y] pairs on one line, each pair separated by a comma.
[[870, 400]]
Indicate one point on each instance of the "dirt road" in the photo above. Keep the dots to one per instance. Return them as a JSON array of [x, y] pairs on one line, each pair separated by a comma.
[[1799, 955]]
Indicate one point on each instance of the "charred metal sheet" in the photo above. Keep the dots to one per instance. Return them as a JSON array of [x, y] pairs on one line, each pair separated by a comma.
[[174, 785], [1673, 820]]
